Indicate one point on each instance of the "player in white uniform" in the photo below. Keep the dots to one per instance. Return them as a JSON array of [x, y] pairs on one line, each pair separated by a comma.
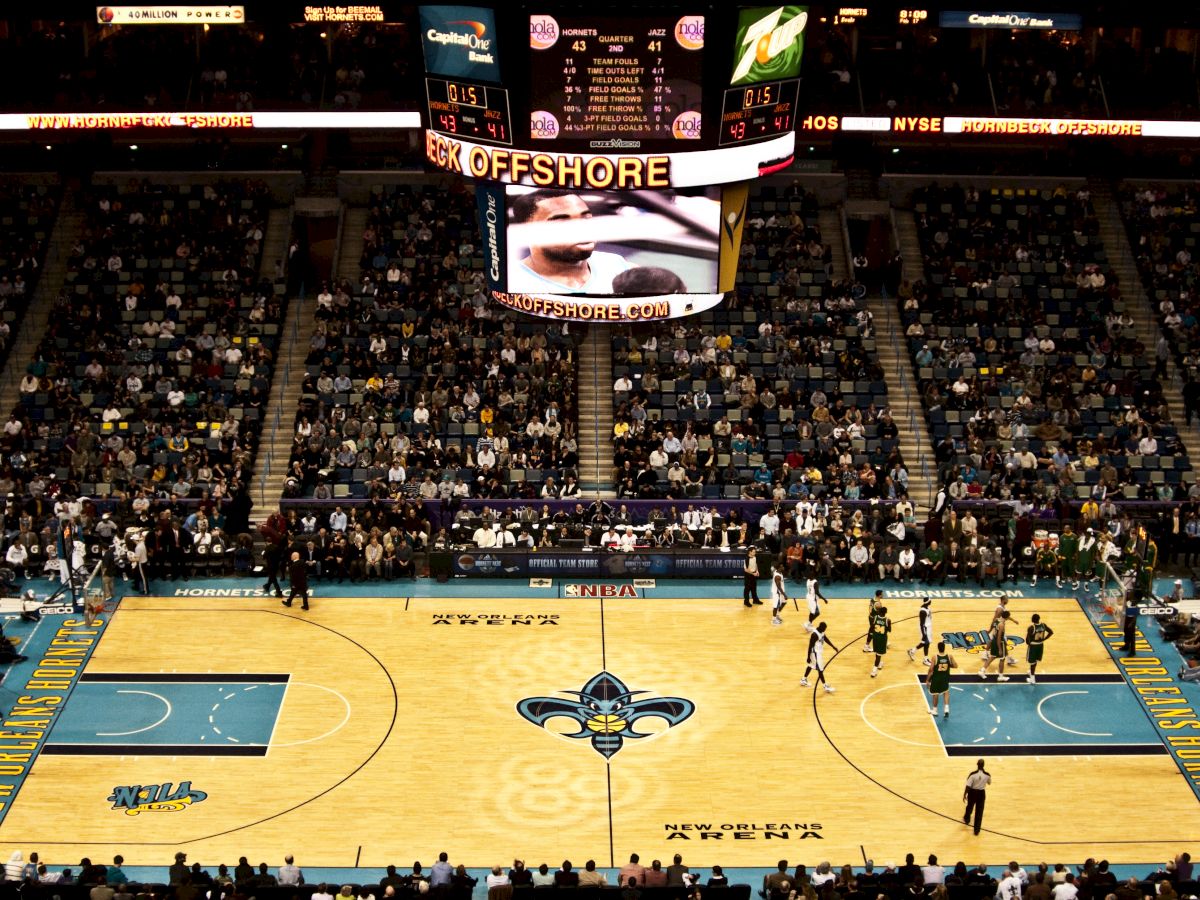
[[816, 657], [1001, 607], [814, 596], [925, 629], [778, 595]]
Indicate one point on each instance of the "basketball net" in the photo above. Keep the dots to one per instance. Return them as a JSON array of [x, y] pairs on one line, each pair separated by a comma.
[[1109, 601]]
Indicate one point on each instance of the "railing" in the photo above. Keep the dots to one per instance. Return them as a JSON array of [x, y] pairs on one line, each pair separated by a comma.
[[992, 94], [916, 415], [602, 396], [847, 247]]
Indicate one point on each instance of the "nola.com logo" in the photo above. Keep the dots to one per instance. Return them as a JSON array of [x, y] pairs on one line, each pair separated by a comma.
[[689, 32], [543, 32], [543, 125], [686, 126]]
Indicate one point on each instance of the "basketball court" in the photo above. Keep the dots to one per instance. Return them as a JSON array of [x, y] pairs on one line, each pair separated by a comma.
[[371, 729]]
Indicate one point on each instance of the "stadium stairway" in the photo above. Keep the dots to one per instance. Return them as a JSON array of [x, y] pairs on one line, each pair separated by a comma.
[[595, 381], [833, 231], [280, 413], [272, 461], [67, 226], [275, 243], [350, 247], [1138, 304], [916, 445]]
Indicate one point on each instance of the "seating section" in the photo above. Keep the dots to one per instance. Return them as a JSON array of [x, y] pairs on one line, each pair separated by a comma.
[[26, 217], [779, 393], [418, 385], [456, 891], [152, 374], [1163, 227], [1034, 383]]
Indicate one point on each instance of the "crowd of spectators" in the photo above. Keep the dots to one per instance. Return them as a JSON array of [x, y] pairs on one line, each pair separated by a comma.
[[152, 374], [877, 541], [1093, 880], [1046, 395], [418, 385], [1163, 226], [776, 395], [26, 217]]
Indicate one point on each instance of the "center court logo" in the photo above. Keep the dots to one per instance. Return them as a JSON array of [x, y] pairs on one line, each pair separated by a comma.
[[543, 32], [135, 799], [606, 712], [975, 641]]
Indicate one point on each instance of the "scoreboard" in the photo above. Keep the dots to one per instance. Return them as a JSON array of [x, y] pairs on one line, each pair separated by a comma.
[[611, 143], [759, 111], [475, 111], [630, 77]]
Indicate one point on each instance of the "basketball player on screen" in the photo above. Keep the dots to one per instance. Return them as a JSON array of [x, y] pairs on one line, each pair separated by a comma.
[[577, 268]]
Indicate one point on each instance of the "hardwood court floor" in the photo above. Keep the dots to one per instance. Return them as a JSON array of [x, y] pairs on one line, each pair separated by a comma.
[[400, 731]]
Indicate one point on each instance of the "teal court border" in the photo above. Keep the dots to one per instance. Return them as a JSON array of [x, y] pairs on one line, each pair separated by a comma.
[[1169, 704]]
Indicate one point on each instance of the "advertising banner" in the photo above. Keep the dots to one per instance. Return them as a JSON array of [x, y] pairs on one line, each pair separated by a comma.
[[490, 200], [460, 41], [170, 15], [769, 44], [511, 563], [733, 220], [1041, 21]]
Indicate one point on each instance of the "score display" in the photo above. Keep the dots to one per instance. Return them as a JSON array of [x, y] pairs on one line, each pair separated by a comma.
[[472, 111], [616, 79], [758, 111]]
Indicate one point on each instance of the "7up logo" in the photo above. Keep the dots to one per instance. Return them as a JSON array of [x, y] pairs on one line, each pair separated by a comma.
[[766, 39]]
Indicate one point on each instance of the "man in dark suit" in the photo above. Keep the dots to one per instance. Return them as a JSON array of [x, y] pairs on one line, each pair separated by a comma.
[[174, 545], [675, 872], [313, 557], [298, 577], [272, 557]]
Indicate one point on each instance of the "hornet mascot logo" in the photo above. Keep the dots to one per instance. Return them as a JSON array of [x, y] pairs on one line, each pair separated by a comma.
[[605, 712]]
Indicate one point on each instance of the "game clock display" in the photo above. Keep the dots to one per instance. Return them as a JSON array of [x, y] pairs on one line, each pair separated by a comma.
[[758, 111], [472, 111]]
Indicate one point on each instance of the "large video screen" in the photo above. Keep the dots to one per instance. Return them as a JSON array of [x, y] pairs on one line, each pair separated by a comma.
[[611, 79], [615, 242], [769, 44]]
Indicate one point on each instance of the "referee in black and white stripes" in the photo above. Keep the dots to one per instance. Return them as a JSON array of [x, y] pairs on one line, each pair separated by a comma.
[[975, 794]]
